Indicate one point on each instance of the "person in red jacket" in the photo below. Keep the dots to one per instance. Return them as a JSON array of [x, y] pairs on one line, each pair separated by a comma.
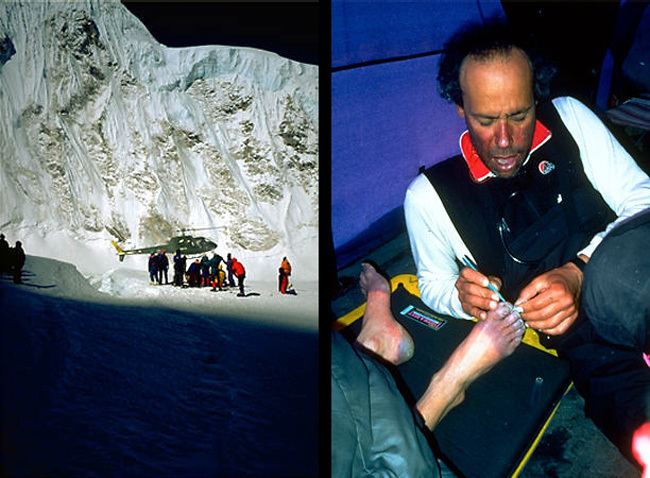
[[240, 274]]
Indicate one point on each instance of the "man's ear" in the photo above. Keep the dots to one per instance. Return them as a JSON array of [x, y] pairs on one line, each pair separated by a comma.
[[460, 111]]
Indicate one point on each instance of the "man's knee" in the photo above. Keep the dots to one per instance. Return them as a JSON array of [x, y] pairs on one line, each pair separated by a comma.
[[616, 292]]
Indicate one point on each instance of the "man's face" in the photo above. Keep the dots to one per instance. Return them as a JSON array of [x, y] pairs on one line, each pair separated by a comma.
[[499, 109]]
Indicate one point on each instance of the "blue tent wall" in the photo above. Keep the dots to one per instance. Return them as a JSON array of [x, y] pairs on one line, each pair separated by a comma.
[[387, 117]]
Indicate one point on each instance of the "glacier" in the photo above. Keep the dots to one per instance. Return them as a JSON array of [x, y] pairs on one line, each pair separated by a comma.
[[105, 134]]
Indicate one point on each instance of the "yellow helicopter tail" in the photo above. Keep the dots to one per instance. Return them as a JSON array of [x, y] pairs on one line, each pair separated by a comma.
[[120, 251]]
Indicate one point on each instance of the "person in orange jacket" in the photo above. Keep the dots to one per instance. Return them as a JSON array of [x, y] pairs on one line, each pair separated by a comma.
[[240, 273], [283, 277]]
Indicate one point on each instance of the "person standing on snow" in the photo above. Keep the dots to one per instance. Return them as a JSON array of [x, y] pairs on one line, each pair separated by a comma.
[[17, 261], [231, 281], [284, 273], [163, 266], [215, 269], [239, 272], [4, 254], [153, 268], [205, 270], [221, 277], [179, 268]]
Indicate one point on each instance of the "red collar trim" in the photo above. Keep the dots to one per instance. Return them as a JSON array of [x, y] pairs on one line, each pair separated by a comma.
[[478, 170]]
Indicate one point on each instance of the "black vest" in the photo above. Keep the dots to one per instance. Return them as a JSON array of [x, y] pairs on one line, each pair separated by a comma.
[[548, 218]]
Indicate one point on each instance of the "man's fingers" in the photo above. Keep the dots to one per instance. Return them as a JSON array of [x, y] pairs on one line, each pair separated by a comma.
[[478, 313], [496, 281], [472, 290], [475, 277], [553, 319], [539, 307], [549, 302], [475, 298], [546, 304], [537, 285], [479, 298], [562, 326], [562, 323]]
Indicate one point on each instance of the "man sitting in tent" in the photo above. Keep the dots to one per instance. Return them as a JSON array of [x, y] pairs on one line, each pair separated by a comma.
[[554, 211]]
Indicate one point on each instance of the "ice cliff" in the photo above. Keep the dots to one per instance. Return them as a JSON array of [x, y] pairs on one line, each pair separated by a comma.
[[107, 134]]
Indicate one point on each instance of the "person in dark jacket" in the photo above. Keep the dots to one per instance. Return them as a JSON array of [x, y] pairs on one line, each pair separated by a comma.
[[163, 266], [17, 262], [231, 281], [239, 272], [179, 268], [183, 266], [153, 268], [544, 204], [4, 255], [215, 264], [205, 271], [194, 274]]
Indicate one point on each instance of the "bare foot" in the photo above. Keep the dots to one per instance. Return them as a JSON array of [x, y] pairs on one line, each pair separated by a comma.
[[489, 341], [380, 332]]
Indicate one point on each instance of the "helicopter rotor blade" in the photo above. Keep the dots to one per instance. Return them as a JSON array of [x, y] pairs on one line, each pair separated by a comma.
[[188, 229]]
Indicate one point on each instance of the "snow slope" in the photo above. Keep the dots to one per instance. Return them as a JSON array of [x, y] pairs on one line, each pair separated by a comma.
[[124, 286], [107, 134]]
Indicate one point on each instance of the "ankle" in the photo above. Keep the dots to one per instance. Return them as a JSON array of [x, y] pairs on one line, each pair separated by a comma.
[[379, 298]]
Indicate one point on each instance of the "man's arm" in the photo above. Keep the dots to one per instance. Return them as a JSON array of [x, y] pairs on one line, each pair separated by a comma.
[[551, 301], [435, 244], [610, 169]]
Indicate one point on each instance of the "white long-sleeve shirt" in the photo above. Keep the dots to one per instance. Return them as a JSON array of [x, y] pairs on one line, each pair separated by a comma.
[[435, 242]]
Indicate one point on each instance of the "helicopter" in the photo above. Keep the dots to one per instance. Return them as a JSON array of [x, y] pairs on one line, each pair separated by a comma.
[[187, 244]]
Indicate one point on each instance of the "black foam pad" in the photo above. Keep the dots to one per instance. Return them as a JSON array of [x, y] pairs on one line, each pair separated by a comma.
[[489, 434]]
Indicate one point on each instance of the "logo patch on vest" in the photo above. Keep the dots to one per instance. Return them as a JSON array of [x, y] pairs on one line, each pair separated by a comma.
[[545, 167]]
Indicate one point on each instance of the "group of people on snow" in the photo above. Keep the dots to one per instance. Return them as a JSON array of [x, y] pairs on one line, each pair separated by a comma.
[[12, 259], [209, 271], [204, 272]]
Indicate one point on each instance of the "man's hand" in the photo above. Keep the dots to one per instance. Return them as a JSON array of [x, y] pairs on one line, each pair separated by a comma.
[[474, 295], [551, 301]]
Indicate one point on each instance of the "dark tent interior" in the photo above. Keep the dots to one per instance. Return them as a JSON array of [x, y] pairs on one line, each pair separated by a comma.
[[389, 123]]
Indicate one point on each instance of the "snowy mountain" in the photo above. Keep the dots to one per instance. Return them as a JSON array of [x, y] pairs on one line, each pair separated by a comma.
[[105, 134]]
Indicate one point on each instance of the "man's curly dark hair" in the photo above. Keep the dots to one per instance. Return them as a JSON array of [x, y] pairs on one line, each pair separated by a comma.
[[485, 41]]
